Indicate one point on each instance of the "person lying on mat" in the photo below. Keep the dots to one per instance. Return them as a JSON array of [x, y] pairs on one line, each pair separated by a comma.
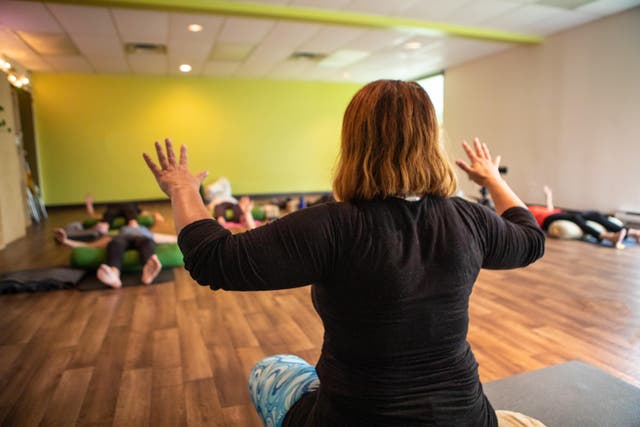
[[613, 232], [392, 266], [131, 236], [225, 207], [127, 210]]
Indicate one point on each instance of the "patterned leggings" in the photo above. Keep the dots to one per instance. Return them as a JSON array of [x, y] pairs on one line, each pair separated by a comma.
[[277, 382]]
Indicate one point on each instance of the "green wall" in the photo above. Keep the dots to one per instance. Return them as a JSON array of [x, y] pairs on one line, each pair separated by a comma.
[[265, 136]]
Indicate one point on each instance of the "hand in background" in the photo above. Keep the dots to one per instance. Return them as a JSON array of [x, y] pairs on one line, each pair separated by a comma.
[[482, 169], [246, 204], [172, 175]]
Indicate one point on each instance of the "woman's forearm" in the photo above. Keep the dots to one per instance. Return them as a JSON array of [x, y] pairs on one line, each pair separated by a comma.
[[502, 195], [187, 207]]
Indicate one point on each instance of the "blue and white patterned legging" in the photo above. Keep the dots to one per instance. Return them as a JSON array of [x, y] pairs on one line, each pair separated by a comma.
[[277, 382]]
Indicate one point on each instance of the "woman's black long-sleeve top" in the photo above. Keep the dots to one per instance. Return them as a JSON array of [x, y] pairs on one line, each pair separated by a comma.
[[391, 282]]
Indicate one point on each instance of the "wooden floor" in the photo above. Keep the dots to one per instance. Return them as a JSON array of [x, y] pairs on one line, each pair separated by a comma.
[[178, 354]]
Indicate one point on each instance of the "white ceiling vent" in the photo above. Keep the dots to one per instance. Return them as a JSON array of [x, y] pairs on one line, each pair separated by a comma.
[[145, 48]]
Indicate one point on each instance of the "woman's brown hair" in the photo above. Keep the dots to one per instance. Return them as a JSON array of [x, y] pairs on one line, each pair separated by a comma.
[[390, 145]]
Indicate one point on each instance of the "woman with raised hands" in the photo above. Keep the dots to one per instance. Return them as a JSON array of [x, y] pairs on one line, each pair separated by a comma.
[[392, 265]]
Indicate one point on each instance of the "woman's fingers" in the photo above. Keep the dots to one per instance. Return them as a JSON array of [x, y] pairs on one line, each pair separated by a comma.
[[154, 168], [485, 151], [468, 150], [478, 147], [171, 156], [183, 155], [463, 165], [164, 164]]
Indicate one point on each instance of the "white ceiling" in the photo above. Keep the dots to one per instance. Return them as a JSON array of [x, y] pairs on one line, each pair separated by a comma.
[[84, 39]]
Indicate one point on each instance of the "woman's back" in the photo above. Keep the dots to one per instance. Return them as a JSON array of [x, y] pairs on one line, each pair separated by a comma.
[[395, 312]]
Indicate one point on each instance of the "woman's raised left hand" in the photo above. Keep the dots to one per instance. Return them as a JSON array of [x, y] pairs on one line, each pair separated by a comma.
[[173, 175]]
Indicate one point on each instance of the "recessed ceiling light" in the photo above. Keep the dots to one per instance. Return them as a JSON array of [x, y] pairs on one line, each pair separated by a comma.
[[195, 28], [413, 45], [185, 68]]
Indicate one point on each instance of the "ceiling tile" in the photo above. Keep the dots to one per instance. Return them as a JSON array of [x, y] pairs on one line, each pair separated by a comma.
[[109, 64], [12, 45], [27, 16], [608, 7], [431, 10], [231, 52], [35, 63], [267, 56], [98, 45], [520, 19], [373, 40], [148, 63], [289, 34], [178, 23], [378, 7], [84, 19], [244, 30], [475, 12], [70, 64], [330, 38], [220, 68], [256, 70], [49, 43], [321, 4], [291, 69], [262, 60], [189, 50], [142, 26]]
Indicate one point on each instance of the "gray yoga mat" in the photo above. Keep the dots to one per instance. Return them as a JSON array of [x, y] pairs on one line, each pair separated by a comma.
[[571, 394]]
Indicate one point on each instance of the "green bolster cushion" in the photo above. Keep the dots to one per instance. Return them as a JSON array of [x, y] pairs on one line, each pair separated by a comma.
[[144, 220], [258, 213], [89, 258]]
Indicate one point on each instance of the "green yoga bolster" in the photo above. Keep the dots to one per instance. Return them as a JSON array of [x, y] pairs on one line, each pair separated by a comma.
[[90, 258], [258, 213], [118, 222]]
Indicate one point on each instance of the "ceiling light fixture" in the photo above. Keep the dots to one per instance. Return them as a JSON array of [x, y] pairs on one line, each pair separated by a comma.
[[16, 74], [4, 65], [413, 45], [185, 68], [195, 28]]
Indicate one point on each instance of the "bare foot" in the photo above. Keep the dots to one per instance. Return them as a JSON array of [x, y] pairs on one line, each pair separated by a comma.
[[110, 276], [634, 233], [615, 238], [151, 270]]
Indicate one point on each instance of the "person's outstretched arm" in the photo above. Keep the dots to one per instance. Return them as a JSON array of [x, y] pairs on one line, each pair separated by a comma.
[[61, 237], [246, 204], [483, 170], [160, 238], [179, 184], [548, 197], [88, 203]]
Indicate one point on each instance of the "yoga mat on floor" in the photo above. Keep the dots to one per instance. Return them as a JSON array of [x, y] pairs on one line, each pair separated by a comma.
[[571, 394], [91, 282], [38, 280]]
